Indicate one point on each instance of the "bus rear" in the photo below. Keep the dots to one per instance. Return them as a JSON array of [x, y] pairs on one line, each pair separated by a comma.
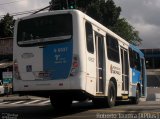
[[43, 53]]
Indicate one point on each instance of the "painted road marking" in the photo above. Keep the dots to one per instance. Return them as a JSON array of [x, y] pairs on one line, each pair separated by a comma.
[[4, 103], [31, 102], [44, 102], [18, 102]]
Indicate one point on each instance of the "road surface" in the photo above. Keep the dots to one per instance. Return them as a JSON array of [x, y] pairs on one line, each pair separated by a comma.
[[41, 109]]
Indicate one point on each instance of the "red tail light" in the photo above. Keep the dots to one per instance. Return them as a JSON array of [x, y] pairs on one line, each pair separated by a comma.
[[75, 66], [16, 70]]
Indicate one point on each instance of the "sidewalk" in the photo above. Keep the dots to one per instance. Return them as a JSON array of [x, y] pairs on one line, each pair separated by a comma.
[[16, 97]]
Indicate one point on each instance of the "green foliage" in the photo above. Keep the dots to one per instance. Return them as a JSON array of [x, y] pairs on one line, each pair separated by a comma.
[[126, 31], [107, 13], [72, 4], [6, 26], [62, 4], [94, 11]]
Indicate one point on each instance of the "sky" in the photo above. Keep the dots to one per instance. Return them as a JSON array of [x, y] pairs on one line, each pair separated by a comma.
[[143, 15], [14, 6]]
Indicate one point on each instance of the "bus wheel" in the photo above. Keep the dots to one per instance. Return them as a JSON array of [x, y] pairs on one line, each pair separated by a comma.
[[111, 99], [61, 103], [135, 100]]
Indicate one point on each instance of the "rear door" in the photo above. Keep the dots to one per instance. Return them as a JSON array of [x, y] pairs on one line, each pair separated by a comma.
[[125, 71], [100, 62]]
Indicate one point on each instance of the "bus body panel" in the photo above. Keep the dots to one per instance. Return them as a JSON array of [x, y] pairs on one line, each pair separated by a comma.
[[28, 61], [135, 76], [135, 79], [114, 71], [79, 80], [55, 58]]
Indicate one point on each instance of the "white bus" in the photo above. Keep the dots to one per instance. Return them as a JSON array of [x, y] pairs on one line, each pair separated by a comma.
[[66, 55]]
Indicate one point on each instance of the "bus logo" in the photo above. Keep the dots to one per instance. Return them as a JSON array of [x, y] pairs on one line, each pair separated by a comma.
[[115, 70]]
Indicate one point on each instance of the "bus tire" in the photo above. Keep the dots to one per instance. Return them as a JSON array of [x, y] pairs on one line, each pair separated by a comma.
[[61, 103], [111, 99], [135, 100]]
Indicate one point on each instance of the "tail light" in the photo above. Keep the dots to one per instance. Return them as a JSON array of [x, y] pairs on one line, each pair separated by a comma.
[[75, 66], [16, 70]]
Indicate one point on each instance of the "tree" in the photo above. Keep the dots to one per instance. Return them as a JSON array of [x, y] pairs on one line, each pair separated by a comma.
[[107, 13], [6, 26], [126, 31]]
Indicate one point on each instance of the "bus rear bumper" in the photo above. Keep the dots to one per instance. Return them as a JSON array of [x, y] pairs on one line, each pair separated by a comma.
[[71, 83]]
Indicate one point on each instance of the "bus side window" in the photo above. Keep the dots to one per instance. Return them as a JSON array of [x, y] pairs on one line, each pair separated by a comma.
[[112, 48], [134, 60], [89, 38]]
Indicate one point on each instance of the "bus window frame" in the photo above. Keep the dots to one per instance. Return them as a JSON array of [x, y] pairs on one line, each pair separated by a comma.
[[89, 40], [111, 50], [136, 64]]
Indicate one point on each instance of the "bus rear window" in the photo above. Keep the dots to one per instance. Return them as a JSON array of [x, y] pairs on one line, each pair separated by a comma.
[[34, 30]]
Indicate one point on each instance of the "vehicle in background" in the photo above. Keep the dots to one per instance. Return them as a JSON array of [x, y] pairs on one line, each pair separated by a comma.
[[1, 88]]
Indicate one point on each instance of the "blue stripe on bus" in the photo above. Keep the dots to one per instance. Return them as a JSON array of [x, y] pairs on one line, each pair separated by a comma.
[[57, 59], [135, 76]]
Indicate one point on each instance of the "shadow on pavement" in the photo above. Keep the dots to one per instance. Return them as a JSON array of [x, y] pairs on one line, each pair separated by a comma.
[[44, 112], [77, 110]]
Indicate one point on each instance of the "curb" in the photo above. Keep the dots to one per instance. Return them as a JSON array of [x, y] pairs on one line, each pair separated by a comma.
[[14, 99], [142, 99], [150, 102]]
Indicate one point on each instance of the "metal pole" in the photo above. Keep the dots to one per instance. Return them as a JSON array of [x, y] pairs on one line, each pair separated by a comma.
[[67, 3]]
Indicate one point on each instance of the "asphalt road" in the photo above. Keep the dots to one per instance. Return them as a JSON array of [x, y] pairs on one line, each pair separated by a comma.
[[144, 110]]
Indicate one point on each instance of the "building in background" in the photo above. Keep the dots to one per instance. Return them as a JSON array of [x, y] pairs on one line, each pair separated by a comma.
[[6, 49], [6, 62], [152, 57]]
